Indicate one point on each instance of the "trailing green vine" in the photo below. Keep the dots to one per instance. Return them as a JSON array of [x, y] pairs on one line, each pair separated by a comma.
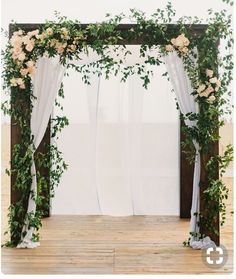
[[69, 40]]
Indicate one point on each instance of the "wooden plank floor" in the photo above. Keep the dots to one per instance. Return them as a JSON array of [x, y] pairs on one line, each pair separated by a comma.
[[106, 245], [103, 244]]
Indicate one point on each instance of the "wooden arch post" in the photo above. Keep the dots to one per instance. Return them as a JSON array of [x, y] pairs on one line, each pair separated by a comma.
[[186, 170]]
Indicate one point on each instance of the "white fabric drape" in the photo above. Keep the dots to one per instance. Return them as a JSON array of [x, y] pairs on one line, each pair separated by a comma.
[[132, 154], [183, 89], [117, 161], [92, 93], [117, 167], [118, 176], [46, 83]]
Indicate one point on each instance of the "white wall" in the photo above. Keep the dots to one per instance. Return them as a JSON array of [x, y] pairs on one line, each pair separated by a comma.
[[95, 10]]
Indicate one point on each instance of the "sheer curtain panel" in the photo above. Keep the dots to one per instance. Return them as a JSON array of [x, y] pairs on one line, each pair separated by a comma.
[[183, 89], [46, 83]]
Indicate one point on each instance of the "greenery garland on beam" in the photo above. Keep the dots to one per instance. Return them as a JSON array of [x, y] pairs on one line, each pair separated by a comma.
[[68, 40]]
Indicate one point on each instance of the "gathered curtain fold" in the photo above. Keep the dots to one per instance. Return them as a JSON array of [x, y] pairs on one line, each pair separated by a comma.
[[187, 104], [92, 93], [46, 83], [117, 179], [133, 153]]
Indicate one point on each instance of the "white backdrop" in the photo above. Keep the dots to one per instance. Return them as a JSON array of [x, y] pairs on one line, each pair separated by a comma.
[[139, 161]]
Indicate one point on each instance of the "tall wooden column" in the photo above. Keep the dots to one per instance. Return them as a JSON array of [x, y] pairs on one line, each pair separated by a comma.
[[15, 194], [203, 186], [186, 180]]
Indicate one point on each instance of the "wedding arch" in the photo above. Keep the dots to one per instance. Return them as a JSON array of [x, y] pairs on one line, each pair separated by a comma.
[[38, 55]]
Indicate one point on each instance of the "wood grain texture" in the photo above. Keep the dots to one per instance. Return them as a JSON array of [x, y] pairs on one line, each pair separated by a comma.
[[111, 245], [106, 245]]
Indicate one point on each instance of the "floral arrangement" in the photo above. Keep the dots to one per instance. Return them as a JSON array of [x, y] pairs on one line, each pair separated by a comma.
[[67, 39], [179, 43], [208, 88], [211, 85]]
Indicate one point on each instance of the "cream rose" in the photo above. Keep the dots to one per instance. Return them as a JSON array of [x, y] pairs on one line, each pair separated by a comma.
[[30, 63], [184, 50], [41, 36], [60, 47], [13, 82], [72, 47], [173, 41], [16, 41], [26, 39], [18, 81], [53, 42], [17, 50], [210, 89], [184, 40], [33, 33], [79, 37], [65, 33], [31, 68], [49, 31], [31, 71], [24, 72], [169, 47], [22, 86], [181, 41], [30, 45], [211, 99], [46, 54], [218, 83], [209, 73], [19, 32], [201, 88], [213, 80], [206, 92], [21, 56]]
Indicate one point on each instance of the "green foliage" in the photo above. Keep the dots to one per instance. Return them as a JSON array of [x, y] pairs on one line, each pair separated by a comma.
[[67, 39], [230, 2]]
